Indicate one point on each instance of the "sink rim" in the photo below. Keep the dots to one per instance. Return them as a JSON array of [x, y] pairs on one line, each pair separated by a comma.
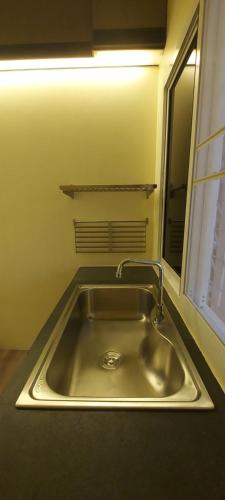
[[36, 385]]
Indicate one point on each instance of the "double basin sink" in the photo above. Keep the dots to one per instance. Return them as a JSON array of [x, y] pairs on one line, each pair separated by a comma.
[[106, 351]]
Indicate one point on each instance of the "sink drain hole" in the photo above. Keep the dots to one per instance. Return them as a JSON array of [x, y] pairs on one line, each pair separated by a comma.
[[110, 360]]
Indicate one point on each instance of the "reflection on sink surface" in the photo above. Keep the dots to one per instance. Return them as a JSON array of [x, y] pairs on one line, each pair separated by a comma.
[[106, 352], [116, 321]]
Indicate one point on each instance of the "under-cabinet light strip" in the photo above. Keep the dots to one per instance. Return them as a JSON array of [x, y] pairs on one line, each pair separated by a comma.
[[100, 59]]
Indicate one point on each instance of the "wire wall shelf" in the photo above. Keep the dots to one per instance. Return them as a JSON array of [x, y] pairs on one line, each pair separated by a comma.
[[71, 190]]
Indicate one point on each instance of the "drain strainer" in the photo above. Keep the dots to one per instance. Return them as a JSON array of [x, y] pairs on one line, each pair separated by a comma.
[[110, 360]]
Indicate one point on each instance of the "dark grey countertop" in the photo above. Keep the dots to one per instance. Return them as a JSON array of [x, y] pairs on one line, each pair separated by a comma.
[[113, 455]]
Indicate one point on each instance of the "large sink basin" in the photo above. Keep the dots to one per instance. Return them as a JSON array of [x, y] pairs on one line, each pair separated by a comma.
[[107, 352]]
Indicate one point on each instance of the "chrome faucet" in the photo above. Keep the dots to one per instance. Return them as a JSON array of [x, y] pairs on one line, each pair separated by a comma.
[[152, 263]]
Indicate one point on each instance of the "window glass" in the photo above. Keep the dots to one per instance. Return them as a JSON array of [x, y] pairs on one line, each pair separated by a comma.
[[210, 158], [206, 263], [180, 97], [212, 102], [205, 276]]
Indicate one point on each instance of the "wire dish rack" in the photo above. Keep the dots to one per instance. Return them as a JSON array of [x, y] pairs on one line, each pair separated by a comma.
[[120, 236]]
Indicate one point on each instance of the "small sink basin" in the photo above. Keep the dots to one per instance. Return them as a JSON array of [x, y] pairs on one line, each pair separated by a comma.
[[106, 352]]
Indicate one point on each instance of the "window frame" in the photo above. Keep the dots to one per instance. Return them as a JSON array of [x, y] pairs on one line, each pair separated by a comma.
[[178, 282], [208, 342], [208, 222], [213, 322]]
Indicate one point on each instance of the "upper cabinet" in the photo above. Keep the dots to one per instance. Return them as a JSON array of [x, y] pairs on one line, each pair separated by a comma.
[[129, 23], [47, 28], [68, 28]]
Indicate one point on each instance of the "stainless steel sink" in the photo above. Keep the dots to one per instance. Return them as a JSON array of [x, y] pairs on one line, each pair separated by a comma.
[[106, 352]]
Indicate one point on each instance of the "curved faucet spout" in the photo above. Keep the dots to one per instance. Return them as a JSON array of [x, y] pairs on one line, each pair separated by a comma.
[[120, 267], [152, 263]]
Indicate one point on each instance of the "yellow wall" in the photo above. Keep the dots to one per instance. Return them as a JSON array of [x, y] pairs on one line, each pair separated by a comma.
[[60, 127], [179, 17]]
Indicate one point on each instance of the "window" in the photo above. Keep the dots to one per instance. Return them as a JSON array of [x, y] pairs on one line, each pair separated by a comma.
[[205, 283], [179, 94]]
